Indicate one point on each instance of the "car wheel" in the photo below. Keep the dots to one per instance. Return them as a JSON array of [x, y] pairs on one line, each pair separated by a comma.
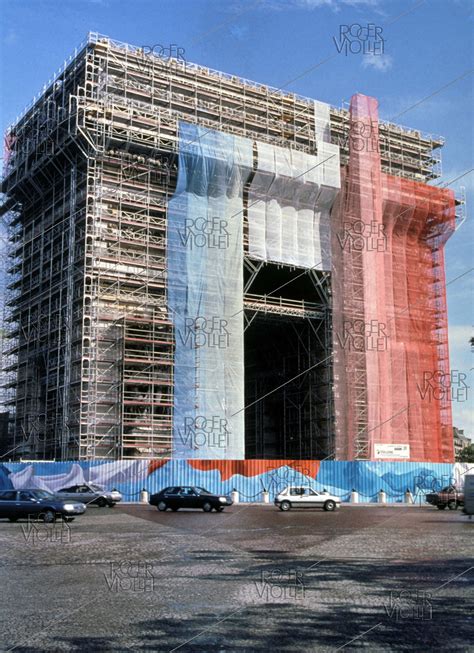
[[48, 516], [329, 506], [101, 502], [441, 506], [285, 506], [207, 507], [220, 508], [452, 505], [13, 519], [162, 506]]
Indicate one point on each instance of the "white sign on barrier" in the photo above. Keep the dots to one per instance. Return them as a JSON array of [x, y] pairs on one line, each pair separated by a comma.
[[400, 451]]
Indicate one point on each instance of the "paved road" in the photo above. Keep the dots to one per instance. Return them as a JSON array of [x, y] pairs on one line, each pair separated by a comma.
[[248, 579]]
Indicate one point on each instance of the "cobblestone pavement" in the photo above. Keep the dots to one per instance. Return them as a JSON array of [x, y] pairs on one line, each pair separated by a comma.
[[249, 579]]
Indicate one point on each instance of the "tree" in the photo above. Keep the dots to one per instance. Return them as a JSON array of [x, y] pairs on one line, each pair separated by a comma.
[[466, 455]]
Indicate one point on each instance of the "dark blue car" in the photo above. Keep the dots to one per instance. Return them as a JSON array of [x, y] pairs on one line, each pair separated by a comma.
[[189, 497], [40, 504]]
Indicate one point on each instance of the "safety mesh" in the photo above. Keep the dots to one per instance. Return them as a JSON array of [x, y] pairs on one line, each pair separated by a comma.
[[290, 198], [389, 318], [205, 293]]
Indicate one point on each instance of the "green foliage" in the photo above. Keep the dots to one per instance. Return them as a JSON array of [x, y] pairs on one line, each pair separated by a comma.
[[466, 455]]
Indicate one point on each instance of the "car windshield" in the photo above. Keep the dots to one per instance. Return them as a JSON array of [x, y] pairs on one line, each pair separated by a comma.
[[42, 494], [95, 488], [201, 490]]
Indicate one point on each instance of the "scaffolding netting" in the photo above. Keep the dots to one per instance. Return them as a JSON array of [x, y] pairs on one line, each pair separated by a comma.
[[205, 293], [389, 319], [290, 198]]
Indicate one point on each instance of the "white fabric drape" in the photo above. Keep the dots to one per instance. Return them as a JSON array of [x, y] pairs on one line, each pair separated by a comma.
[[290, 199]]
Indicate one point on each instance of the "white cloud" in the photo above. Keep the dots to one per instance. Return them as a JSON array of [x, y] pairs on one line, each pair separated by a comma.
[[380, 62]]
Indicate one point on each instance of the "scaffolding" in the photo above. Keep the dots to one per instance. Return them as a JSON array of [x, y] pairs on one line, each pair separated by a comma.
[[91, 167], [391, 284]]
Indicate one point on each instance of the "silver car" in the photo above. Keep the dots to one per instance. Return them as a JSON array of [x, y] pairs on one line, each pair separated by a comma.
[[90, 493], [306, 497]]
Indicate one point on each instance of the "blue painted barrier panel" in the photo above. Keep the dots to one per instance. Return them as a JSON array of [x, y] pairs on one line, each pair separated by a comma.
[[248, 477]]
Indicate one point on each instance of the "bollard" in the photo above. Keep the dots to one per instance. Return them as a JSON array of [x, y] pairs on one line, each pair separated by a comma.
[[144, 496], [266, 496], [234, 496], [354, 496], [409, 497], [382, 497]]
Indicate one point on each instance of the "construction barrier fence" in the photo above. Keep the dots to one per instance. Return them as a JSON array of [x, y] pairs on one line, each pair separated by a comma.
[[249, 477]]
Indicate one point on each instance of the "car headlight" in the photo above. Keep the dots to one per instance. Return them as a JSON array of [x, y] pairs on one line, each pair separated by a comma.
[[69, 506], [223, 499]]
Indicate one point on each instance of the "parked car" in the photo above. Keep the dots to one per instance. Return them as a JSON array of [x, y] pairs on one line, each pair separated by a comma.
[[90, 493], [469, 495], [19, 504], [449, 496], [306, 497], [189, 497]]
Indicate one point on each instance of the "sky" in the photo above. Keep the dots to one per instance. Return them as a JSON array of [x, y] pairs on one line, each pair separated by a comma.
[[423, 79]]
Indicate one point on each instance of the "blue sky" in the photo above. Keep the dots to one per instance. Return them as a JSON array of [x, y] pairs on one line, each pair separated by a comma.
[[428, 44]]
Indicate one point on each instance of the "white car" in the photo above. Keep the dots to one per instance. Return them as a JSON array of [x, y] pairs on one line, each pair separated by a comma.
[[306, 497]]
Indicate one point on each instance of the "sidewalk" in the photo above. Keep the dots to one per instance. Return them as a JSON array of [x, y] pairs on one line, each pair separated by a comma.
[[362, 504]]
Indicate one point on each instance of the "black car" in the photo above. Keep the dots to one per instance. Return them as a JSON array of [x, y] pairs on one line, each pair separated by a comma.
[[189, 497], [21, 504]]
